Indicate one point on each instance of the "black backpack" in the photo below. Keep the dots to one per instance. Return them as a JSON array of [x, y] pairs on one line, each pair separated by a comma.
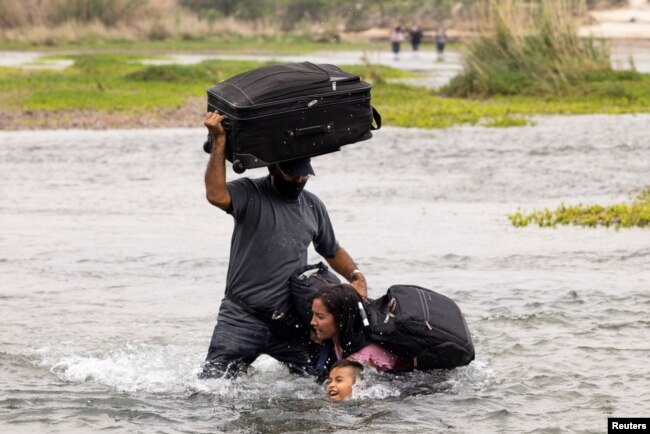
[[411, 321], [418, 323], [305, 283]]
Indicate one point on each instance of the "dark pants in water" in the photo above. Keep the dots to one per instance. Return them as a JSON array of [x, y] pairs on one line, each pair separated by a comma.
[[235, 344]]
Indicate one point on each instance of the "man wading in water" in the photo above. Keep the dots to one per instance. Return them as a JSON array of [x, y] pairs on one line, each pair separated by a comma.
[[275, 222]]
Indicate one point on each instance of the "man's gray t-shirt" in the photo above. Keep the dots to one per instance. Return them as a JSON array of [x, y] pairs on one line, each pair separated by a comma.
[[270, 240]]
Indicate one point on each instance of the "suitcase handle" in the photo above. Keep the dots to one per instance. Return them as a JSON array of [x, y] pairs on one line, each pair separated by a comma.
[[316, 129], [377, 118], [207, 145]]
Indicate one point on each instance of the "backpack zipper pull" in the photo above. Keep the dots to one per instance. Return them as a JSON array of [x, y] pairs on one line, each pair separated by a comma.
[[428, 325], [364, 316], [334, 85], [388, 315]]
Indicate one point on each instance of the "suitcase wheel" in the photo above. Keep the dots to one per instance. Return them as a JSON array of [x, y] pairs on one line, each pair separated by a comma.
[[207, 145], [238, 166]]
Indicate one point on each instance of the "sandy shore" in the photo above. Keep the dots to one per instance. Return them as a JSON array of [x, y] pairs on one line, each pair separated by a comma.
[[619, 24]]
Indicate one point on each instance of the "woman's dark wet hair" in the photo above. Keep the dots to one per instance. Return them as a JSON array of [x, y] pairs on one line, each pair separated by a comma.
[[342, 301]]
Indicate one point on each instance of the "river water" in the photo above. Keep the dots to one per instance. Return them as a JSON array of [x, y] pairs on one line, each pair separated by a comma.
[[112, 267]]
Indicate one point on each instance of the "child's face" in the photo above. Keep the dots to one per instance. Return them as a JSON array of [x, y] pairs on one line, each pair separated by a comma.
[[322, 321], [339, 385]]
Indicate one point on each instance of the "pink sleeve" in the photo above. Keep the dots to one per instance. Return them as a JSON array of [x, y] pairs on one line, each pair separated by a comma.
[[382, 359]]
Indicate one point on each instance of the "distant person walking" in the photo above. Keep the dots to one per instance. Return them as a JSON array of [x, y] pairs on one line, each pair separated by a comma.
[[441, 40], [396, 39], [416, 37]]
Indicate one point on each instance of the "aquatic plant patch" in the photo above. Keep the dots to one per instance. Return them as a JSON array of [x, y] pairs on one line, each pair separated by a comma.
[[634, 214]]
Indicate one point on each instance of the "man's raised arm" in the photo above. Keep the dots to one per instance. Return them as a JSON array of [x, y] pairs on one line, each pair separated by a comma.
[[215, 175]]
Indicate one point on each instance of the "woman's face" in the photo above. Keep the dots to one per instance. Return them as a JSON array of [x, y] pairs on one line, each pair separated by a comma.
[[323, 321]]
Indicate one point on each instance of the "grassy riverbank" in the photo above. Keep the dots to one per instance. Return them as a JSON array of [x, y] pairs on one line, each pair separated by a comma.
[[119, 86], [612, 93]]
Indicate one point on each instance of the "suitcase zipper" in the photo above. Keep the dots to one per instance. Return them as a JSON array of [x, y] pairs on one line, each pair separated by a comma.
[[425, 307], [290, 100], [367, 98]]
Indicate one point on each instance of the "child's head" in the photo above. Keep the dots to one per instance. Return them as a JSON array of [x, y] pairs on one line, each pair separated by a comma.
[[343, 375]]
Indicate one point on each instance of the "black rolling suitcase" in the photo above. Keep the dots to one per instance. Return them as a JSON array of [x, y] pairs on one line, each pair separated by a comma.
[[282, 112]]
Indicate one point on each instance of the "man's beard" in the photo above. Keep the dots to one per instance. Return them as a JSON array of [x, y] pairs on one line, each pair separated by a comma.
[[288, 189]]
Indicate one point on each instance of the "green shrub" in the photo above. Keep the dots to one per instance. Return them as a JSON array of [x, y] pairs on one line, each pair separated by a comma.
[[528, 49]]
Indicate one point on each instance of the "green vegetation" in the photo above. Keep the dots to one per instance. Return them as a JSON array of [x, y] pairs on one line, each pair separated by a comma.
[[360, 14], [529, 49], [284, 14], [417, 107], [527, 62], [624, 215], [215, 24], [286, 43], [121, 83], [206, 24], [108, 82]]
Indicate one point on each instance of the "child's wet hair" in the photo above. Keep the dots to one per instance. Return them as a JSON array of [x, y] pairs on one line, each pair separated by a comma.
[[347, 363]]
